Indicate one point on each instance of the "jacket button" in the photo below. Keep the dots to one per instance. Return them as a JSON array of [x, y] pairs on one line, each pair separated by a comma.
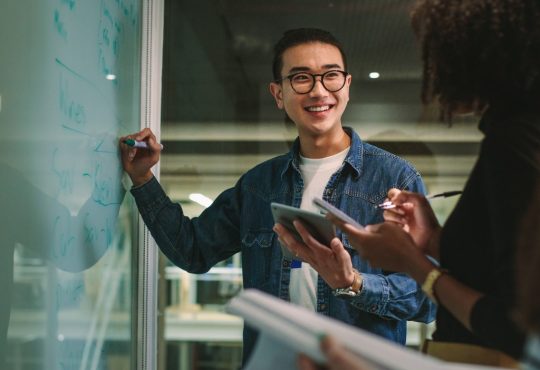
[[286, 263]]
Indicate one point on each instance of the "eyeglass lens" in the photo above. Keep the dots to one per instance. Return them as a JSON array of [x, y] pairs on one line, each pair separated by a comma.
[[304, 82]]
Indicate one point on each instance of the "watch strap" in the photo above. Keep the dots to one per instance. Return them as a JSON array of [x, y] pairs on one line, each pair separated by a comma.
[[429, 283], [352, 290]]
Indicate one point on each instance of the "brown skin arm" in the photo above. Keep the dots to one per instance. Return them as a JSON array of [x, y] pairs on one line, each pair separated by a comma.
[[389, 247]]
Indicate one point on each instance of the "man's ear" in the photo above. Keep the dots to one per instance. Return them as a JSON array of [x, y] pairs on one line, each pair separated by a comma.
[[349, 79], [277, 93]]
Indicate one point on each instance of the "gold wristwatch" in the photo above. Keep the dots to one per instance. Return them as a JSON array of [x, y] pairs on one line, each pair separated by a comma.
[[428, 285]]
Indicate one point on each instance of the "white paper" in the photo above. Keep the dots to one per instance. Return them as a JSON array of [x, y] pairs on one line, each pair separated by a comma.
[[271, 354], [287, 330]]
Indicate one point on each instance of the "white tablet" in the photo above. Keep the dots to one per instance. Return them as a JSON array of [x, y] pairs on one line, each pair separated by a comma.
[[327, 207], [317, 225]]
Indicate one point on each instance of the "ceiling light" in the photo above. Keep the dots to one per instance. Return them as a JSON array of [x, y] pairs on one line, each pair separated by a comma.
[[374, 75], [110, 77], [201, 199]]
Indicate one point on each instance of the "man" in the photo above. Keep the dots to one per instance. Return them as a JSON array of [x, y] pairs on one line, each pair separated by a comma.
[[312, 86]]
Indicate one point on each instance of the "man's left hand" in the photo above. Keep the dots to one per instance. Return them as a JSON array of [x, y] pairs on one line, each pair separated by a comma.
[[332, 262]]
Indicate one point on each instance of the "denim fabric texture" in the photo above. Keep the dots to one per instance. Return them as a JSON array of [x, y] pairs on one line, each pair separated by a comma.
[[240, 220]]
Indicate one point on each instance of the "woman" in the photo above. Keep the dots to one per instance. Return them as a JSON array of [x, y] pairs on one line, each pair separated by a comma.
[[479, 56], [528, 282]]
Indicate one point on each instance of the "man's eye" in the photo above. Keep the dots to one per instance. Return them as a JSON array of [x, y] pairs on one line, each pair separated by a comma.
[[301, 78], [332, 75]]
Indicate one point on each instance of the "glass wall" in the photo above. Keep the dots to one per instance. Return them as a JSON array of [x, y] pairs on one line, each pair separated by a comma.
[[70, 86], [219, 120]]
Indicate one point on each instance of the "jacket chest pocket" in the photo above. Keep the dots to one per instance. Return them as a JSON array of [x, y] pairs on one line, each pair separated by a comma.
[[259, 251]]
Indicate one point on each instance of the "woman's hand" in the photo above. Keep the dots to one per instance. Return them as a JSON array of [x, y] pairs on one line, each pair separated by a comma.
[[415, 215], [338, 358], [384, 245]]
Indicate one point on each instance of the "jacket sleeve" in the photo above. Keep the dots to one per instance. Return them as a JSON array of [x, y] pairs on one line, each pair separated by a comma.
[[196, 244], [396, 295]]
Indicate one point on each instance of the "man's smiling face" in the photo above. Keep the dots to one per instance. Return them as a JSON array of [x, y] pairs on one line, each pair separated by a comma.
[[318, 111]]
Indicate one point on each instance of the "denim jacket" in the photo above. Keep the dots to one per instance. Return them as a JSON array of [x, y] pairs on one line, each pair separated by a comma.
[[240, 220]]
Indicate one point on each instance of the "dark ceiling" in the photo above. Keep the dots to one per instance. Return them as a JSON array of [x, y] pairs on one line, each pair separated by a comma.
[[217, 55]]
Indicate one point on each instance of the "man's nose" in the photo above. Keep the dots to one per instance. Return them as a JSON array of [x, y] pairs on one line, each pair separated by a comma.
[[318, 88]]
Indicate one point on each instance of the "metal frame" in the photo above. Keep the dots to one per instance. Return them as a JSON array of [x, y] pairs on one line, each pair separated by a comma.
[[146, 256]]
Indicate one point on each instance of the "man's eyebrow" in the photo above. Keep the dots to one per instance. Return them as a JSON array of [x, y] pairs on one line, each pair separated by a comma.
[[307, 69]]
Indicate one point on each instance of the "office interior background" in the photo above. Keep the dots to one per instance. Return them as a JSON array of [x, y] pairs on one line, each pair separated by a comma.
[[219, 120]]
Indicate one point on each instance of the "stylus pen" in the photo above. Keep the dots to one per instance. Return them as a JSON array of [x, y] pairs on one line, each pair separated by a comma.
[[138, 144], [446, 194]]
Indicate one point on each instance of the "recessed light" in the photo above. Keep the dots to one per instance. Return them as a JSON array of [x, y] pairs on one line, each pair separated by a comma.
[[374, 75]]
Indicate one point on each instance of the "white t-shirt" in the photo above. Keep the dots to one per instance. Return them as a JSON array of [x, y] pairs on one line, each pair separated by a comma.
[[316, 173]]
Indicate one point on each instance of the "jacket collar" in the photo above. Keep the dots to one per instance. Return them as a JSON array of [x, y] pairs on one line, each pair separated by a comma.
[[354, 158]]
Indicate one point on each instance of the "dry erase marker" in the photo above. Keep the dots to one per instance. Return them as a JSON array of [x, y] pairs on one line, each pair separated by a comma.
[[138, 144]]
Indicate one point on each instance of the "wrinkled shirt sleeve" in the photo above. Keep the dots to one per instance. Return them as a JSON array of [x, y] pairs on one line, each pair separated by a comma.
[[396, 295], [196, 244]]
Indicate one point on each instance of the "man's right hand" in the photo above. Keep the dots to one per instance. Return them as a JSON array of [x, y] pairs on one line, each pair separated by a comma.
[[138, 162]]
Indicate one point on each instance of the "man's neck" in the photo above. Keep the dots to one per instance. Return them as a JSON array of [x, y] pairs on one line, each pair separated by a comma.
[[325, 145]]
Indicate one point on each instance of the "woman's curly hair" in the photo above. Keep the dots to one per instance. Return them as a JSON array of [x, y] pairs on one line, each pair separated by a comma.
[[478, 52]]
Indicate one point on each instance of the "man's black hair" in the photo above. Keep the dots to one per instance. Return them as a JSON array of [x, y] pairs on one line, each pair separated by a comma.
[[300, 36]]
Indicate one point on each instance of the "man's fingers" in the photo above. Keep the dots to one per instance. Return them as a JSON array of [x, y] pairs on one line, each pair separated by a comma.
[[146, 135], [287, 239], [342, 256], [308, 239]]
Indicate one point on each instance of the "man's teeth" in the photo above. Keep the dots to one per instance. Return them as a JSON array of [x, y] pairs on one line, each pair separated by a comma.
[[318, 109]]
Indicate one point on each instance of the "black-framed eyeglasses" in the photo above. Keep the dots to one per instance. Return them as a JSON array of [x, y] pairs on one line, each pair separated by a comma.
[[304, 82]]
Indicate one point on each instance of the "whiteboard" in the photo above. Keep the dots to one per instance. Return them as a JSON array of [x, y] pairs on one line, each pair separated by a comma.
[[69, 87]]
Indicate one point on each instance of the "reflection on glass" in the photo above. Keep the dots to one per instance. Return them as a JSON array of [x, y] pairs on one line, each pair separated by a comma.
[[66, 231]]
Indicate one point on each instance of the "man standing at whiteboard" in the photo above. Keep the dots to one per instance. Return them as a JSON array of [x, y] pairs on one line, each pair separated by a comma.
[[311, 85]]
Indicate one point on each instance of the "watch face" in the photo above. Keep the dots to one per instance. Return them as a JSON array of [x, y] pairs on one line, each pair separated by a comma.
[[344, 293]]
